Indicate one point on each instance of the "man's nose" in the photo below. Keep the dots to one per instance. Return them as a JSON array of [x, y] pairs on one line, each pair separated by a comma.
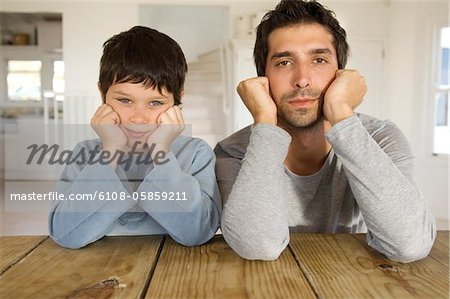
[[302, 76]]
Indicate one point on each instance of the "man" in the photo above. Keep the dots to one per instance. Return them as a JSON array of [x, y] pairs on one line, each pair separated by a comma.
[[310, 163]]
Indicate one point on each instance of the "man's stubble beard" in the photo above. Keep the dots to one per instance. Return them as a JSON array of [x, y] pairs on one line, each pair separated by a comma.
[[301, 118]]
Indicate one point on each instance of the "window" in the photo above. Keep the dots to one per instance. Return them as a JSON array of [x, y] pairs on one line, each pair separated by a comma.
[[58, 79], [441, 92], [24, 80]]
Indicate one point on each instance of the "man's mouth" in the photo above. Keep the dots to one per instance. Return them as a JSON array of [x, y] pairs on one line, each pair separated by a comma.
[[301, 102]]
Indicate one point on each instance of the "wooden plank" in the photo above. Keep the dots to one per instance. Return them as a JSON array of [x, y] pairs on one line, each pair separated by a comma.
[[215, 271], [344, 266], [13, 248], [114, 267]]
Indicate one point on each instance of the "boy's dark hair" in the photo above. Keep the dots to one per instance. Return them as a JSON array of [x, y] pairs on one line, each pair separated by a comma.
[[294, 12], [143, 55]]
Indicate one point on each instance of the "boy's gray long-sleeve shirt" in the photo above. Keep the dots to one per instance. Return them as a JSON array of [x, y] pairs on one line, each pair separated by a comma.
[[188, 173], [366, 184]]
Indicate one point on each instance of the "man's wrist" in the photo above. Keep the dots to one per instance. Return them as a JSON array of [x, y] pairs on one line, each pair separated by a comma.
[[266, 119], [339, 113]]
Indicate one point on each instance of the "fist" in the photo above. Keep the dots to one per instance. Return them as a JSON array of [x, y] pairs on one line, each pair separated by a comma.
[[170, 125], [105, 123], [344, 94], [255, 94]]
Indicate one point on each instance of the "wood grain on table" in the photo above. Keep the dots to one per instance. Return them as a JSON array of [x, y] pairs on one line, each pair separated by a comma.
[[344, 266], [113, 265]]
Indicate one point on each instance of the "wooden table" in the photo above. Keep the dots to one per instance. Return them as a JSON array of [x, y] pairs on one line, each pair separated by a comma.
[[313, 266]]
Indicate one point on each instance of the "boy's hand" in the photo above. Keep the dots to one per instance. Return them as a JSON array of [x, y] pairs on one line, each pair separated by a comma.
[[255, 94], [343, 95], [170, 125], [106, 123]]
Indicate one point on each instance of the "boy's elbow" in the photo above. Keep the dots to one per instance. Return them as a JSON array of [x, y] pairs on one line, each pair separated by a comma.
[[70, 243], [196, 239]]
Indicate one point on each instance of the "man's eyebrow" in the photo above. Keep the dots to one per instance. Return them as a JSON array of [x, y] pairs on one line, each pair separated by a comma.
[[316, 51], [325, 51], [281, 54]]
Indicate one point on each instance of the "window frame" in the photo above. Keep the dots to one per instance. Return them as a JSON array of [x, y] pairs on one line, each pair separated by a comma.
[[435, 86]]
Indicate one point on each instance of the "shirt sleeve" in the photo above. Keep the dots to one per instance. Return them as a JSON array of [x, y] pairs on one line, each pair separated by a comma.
[[254, 218], [379, 168], [196, 219], [83, 217]]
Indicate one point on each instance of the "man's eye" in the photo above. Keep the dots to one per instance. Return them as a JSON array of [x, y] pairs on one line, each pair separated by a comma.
[[124, 100], [320, 60], [283, 63]]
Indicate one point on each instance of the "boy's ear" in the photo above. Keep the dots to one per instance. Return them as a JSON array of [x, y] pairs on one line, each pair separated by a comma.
[[101, 93]]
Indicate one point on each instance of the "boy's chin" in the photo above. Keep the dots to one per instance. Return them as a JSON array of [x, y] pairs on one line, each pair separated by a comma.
[[138, 145]]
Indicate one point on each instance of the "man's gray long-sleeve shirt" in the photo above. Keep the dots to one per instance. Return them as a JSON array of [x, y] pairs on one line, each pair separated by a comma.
[[365, 185]]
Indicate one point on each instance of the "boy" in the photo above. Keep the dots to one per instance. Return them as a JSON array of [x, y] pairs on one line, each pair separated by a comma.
[[154, 181]]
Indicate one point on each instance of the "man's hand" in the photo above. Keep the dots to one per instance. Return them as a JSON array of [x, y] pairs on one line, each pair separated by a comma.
[[170, 125], [344, 94], [106, 123], [255, 94]]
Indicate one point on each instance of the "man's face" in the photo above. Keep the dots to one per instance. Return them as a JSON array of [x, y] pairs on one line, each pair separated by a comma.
[[138, 107], [300, 65]]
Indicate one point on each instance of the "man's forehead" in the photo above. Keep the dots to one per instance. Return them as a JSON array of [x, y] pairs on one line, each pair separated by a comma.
[[310, 35]]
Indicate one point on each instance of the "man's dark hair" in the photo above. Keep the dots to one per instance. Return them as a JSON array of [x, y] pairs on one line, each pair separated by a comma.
[[143, 55], [295, 12]]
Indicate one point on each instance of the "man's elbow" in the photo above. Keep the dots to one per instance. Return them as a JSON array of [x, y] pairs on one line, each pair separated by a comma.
[[265, 250], [263, 253], [412, 252]]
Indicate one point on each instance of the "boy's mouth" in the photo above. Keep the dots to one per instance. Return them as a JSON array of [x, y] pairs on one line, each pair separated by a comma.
[[136, 134]]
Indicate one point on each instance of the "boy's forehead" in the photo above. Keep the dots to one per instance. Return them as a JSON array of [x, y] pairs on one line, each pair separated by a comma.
[[129, 88]]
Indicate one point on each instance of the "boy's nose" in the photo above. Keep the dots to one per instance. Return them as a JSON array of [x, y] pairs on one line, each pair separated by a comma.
[[138, 118]]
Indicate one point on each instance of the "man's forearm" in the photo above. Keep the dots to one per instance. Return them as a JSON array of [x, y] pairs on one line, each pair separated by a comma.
[[254, 218]]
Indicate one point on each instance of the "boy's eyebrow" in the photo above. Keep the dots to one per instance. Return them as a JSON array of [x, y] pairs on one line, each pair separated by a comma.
[[122, 93]]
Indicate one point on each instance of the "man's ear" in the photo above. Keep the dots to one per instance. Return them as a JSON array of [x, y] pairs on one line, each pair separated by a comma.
[[99, 86]]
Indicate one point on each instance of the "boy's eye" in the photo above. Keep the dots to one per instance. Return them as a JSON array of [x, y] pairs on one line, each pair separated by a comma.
[[156, 103], [124, 100]]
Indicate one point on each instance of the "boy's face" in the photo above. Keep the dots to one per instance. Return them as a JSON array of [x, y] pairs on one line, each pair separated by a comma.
[[138, 108]]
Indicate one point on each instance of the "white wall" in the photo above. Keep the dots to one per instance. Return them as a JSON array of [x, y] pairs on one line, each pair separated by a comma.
[[86, 25], [197, 29]]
